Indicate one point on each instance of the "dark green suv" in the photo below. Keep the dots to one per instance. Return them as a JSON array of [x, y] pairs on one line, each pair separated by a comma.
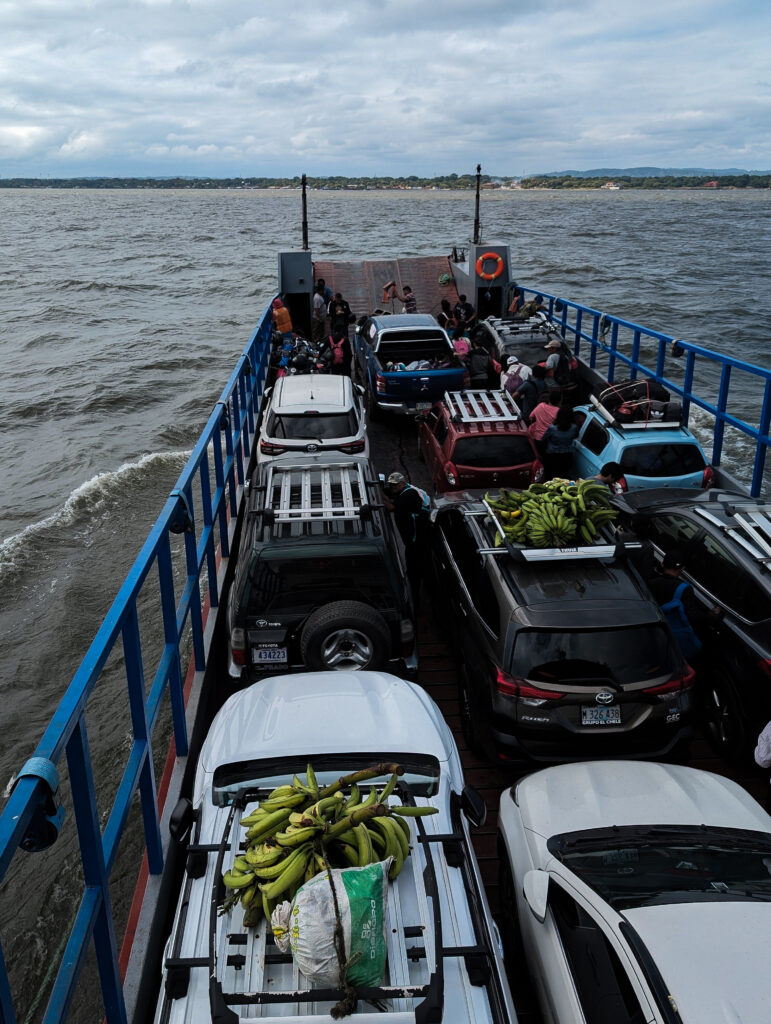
[[319, 582]]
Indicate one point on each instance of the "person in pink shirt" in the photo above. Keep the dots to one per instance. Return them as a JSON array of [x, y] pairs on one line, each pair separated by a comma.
[[542, 417]]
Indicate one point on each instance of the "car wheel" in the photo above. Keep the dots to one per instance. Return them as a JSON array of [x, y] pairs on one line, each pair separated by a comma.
[[722, 717], [471, 716], [345, 636]]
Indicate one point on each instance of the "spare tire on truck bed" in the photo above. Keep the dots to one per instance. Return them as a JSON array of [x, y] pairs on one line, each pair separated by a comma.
[[345, 635]]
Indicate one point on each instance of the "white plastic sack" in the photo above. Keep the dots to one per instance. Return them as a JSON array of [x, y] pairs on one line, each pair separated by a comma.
[[308, 926]]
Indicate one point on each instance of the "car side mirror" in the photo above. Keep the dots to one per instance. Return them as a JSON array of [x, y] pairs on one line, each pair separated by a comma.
[[473, 806], [360, 388], [535, 887], [181, 821]]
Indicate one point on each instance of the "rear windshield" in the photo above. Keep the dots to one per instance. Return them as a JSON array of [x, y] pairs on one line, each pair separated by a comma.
[[621, 655], [297, 586], [662, 460], [487, 450], [312, 426]]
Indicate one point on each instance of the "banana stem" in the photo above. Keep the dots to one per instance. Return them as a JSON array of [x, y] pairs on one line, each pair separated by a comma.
[[361, 776], [356, 817]]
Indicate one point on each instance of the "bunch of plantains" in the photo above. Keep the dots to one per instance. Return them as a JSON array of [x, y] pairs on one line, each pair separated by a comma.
[[557, 514], [301, 829]]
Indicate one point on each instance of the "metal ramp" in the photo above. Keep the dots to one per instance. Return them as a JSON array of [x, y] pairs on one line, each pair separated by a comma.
[[361, 282], [751, 529], [482, 406]]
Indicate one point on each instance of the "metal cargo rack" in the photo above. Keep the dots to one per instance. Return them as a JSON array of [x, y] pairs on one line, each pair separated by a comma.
[[748, 526], [647, 424], [482, 407], [297, 497], [610, 549], [244, 956]]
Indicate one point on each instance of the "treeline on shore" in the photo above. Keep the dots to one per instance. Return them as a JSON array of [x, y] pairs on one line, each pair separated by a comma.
[[449, 182]]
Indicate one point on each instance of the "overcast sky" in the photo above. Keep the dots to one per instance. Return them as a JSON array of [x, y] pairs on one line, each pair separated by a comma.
[[259, 87]]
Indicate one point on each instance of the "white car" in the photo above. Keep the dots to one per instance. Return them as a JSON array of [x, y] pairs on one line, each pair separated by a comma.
[[643, 893], [313, 413], [444, 958]]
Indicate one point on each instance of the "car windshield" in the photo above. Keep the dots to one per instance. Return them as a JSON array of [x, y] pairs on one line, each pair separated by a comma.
[[485, 451], [258, 777], [662, 460], [634, 867], [618, 655], [312, 425]]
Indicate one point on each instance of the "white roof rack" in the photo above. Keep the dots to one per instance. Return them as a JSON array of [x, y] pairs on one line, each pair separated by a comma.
[[482, 406], [315, 492], [750, 529]]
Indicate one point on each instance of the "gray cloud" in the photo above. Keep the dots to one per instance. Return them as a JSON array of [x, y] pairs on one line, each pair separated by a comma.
[[228, 87]]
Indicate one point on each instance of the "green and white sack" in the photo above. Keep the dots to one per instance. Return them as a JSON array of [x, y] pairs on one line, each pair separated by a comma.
[[308, 926]]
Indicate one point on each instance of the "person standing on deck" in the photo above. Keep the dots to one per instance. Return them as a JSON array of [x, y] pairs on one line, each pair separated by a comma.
[[465, 314], [319, 316], [410, 506], [340, 315], [409, 300], [283, 321]]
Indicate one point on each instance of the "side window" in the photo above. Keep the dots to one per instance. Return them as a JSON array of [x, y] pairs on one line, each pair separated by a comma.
[[463, 545], [713, 567], [595, 437], [670, 533], [604, 989], [440, 432]]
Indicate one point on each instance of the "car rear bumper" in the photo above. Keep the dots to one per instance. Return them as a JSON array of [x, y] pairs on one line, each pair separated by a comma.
[[556, 748]]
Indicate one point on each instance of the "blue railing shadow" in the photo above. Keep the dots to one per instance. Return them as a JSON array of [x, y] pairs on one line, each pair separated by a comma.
[[232, 425], [619, 342]]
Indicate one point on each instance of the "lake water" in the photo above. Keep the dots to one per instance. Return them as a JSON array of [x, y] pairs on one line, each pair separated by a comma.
[[123, 313]]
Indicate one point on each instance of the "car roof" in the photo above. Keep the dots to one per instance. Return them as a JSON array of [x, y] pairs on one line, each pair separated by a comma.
[[672, 433], [396, 320], [713, 957], [326, 712], [603, 794], [719, 502], [321, 392]]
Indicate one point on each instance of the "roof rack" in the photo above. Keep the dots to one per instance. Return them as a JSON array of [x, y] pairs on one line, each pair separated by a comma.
[[632, 425], [315, 492], [751, 530], [611, 549], [482, 406], [231, 949]]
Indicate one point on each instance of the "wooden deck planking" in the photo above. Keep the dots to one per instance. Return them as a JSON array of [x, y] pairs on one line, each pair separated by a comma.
[[361, 282]]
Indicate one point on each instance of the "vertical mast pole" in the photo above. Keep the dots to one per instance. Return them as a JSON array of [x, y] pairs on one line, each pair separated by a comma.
[[305, 214], [477, 229]]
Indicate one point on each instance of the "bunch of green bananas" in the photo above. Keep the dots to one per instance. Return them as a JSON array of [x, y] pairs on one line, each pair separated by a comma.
[[555, 514], [299, 829]]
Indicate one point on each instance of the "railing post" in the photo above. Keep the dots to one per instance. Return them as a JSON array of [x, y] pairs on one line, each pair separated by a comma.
[[690, 365], [208, 531], [612, 356], [595, 340], [577, 338], [171, 637], [722, 403], [761, 450], [635, 355], [193, 591], [219, 484]]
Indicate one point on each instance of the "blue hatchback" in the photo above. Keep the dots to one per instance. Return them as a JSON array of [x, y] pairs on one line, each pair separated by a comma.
[[655, 454]]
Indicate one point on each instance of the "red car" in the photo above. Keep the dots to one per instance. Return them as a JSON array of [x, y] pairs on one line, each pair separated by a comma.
[[477, 439]]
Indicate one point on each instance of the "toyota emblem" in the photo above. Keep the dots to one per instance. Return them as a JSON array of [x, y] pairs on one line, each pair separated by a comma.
[[311, 447], [603, 697]]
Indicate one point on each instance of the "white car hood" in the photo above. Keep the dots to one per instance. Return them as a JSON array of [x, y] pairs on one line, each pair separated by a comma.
[[600, 794], [713, 958], [323, 712]]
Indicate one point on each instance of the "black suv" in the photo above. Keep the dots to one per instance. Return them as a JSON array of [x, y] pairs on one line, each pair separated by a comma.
[[558, 659], [724, 539], [319, 582]]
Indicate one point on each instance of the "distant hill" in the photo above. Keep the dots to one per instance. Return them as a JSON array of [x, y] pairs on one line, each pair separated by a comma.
[[646, 172]]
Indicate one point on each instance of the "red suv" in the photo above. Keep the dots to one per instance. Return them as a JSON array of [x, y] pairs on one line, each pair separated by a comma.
[[477, 439]]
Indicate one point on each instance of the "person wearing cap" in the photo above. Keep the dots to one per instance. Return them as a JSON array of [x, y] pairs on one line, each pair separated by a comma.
[[514, 374], [282, 320], [410, 506]]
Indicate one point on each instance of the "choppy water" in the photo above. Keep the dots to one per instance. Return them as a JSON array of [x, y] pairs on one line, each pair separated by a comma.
[[123, 313]]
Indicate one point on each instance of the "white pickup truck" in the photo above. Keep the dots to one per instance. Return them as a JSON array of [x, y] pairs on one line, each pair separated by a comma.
[[444, 959]]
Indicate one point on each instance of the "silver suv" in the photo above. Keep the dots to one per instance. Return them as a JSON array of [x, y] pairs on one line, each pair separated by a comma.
[[313, 413]]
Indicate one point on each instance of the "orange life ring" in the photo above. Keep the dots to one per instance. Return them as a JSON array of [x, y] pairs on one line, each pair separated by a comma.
[[481, 266]]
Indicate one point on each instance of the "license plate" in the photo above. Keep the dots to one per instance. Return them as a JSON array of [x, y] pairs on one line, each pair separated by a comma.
[[601, 716], [269, 656], [422, 406]]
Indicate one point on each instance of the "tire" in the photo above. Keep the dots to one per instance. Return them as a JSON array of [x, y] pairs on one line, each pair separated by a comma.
[[345, 636], [723, 721]]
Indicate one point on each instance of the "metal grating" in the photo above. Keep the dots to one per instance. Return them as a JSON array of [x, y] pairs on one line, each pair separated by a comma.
[[315, 493], [482, 406]]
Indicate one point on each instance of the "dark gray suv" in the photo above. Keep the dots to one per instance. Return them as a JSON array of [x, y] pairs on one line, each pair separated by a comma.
[[559, 659]]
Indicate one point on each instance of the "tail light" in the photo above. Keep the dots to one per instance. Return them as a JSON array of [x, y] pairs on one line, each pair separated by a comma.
[[708, 477], [681, 681], [268, 448], [764, 664], [353, 447], [537, 474], [380, 384], [512, 686], [450, 473], [238, 646]]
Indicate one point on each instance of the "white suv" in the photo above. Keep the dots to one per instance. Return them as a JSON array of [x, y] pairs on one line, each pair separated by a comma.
[[313, 413]]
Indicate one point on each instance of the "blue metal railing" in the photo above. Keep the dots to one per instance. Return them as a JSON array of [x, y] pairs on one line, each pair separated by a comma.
[[232, 422], [626, 345]]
